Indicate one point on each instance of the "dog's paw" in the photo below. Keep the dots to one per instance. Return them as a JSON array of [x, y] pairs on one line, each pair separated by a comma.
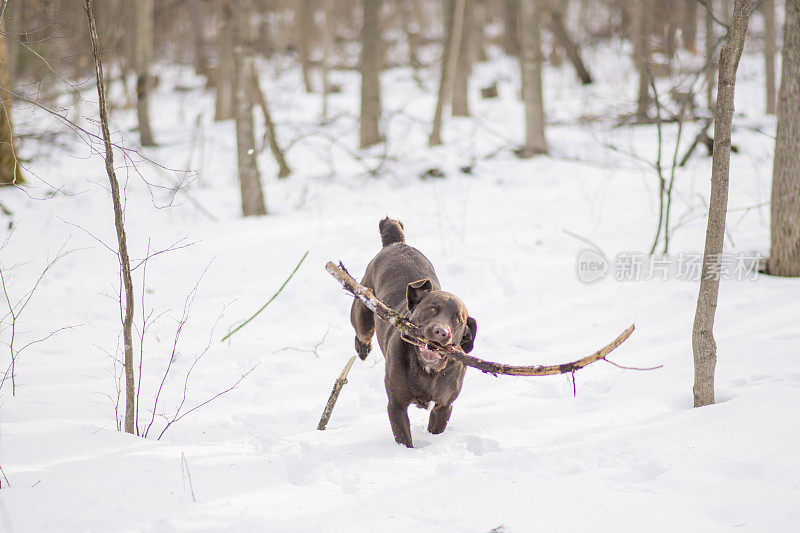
[[363, 349]]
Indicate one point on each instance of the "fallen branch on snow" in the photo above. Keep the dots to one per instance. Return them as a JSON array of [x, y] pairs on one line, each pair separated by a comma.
[[412, 335]]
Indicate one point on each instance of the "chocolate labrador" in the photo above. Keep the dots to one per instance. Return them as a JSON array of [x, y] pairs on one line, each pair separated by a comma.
[[404, 279]]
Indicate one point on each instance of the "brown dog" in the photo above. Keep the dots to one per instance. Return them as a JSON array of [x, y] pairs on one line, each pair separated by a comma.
[[404, 279]]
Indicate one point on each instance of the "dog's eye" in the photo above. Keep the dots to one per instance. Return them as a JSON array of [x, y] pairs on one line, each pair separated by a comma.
[[432, 309], [457, 320]]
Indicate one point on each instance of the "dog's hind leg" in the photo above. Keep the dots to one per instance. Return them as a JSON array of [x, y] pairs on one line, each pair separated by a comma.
[[363, 321], [440, 415]]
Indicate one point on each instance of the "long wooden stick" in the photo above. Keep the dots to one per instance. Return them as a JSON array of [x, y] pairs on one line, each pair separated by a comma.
[[412, 334], [337, 388]]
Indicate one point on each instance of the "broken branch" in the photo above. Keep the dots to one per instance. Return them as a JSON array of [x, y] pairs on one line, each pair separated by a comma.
[[412, 334], [337, 388]]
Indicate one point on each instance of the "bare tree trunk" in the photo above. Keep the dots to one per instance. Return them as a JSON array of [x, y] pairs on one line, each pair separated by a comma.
[[478, 23], [510, 21], [371, 66], [409, 11], [460, 106], [689, 25], [119, 223], [10, 172], [304, 17], [454, 25], [197, 19], [711, 62], [249, 178], [562, 36], [223, 77], [641, 56], [784, 256], [704, 346], [770, 49], [531, 62], [143, 56], [272, 136], [327, 42]]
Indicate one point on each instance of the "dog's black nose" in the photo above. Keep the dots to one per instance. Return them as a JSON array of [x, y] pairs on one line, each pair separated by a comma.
[[441, 333]]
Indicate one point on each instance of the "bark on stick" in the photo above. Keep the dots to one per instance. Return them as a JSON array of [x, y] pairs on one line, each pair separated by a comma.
[[337, 388], [412, 334]]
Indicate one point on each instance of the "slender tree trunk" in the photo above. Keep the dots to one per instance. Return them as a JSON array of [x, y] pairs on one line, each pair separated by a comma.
[[704, 346], [711, 61], [770, 49], [409, 11], [327, 42], [371, 66], [10, 172], [249, 178], [454, 24], [689, 25], [305, 26], [565, 41], [478, 23], [119, 223], [640, 9], [460, 106], [531, 63], [223, 77], [197, 20], [143, 56], [784, 256], [510, 21], [272, 136]]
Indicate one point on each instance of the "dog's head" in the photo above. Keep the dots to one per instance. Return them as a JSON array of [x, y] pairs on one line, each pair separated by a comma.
[[442, 318]]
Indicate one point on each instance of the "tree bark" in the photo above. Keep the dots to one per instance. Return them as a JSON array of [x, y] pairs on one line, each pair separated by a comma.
[[770, 49], [784, 256], [269, 126], [454, 24], [510, 22], [249, 178], [119, 223], [704, 346], [197, 20], [460, 106], [143, 56], [305, 26], [641, 56], [711, 62], [10, 171], [565, 41], [478, 23], [531, 63], [223, 77], [327, 43], [371, 66], [689, 25]]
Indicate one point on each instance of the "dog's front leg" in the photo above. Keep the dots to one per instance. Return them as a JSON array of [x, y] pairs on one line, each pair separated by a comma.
[[440, 415], [401, 426]]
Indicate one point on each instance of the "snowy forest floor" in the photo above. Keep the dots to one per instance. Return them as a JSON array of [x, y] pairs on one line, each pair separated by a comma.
[[628, 452]]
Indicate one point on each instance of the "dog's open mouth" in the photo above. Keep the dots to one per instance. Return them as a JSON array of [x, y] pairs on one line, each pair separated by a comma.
[[429, 356]]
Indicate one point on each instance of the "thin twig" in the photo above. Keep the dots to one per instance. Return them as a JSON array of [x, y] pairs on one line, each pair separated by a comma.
[[243, 324]]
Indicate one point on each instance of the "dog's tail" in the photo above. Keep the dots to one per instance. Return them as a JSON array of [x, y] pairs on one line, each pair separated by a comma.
[[391, 231]]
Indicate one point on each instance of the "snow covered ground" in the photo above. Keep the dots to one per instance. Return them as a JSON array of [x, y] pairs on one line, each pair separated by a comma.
[[520, 454]]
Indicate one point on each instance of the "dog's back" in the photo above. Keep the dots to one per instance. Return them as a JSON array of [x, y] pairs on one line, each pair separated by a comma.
[[396, 265]]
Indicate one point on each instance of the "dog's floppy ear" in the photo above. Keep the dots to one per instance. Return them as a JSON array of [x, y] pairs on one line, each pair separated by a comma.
[[468, 339], [416, 291]]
